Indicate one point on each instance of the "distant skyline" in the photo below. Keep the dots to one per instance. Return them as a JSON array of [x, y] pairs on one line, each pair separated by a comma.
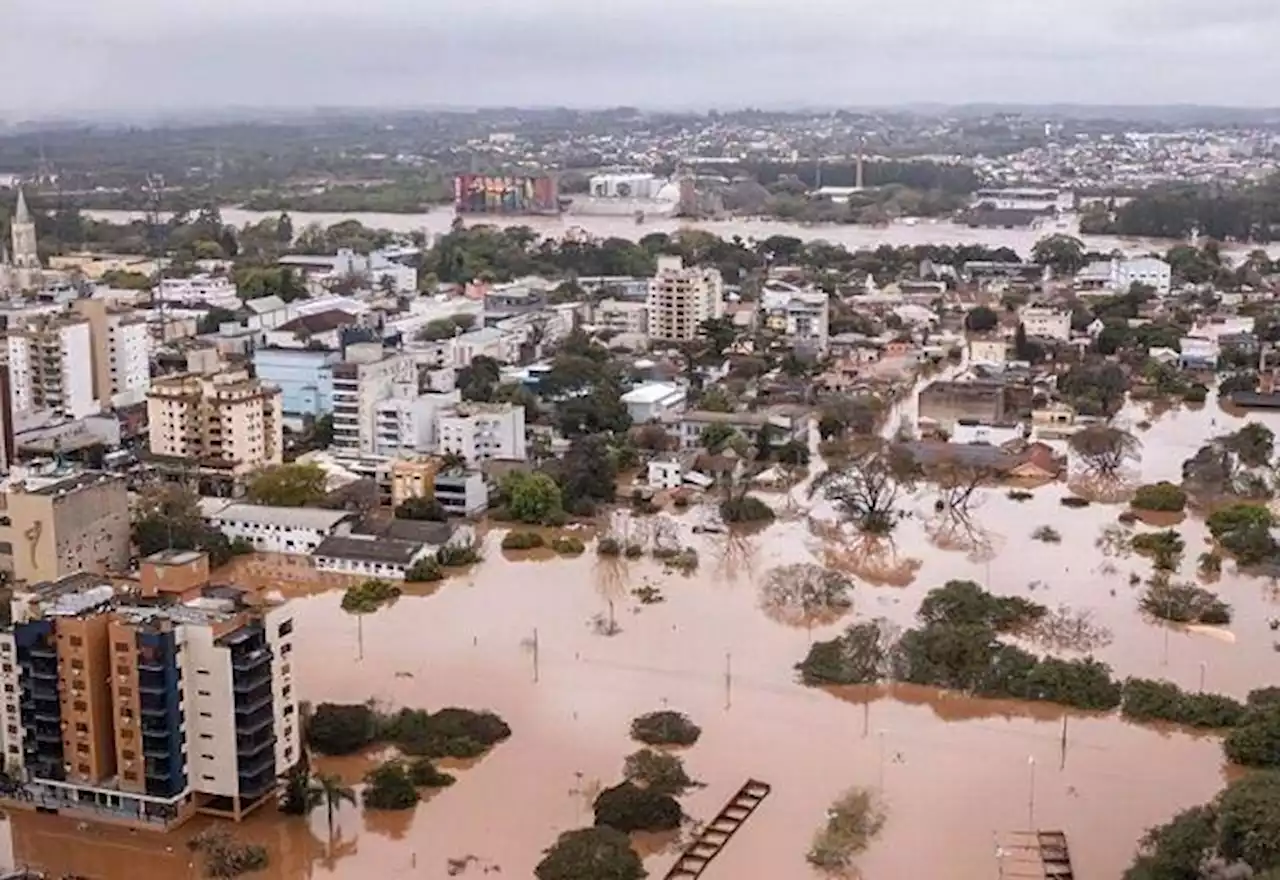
[[99, 57]]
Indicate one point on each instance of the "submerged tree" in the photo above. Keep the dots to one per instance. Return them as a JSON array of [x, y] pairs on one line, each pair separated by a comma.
[[805, 594], [1105, 450], [866, 490], [853, 822]]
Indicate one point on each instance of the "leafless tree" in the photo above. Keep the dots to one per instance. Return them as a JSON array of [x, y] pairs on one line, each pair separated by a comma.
[[867, 488], [1105, 450], [806, 594]]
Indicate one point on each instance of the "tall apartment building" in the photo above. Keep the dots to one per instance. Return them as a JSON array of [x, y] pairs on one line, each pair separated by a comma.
[[145, 707], [365, 378], [680, 299], [227, 420], [63, 523], [121, 353], [482, 432], [51, 367]]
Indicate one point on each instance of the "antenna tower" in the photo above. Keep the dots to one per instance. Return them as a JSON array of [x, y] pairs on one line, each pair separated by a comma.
[[157, 233]]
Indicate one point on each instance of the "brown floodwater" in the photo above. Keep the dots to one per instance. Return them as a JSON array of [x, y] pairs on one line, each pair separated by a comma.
[[954, 771]]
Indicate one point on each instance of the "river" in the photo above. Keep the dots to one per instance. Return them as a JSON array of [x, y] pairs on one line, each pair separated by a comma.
[[953, 771], [850, 236]]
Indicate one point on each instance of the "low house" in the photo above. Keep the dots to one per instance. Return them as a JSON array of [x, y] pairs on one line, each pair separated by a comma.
[[653, 400], [1038, 461], [1198, 353], [277, 529], [988, 351], [369, 556], [783, 425]]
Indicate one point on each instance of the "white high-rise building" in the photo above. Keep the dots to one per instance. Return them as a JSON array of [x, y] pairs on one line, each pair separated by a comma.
[[680, 299], [51, 367], [482, 432], [128, 358], [368, 375]]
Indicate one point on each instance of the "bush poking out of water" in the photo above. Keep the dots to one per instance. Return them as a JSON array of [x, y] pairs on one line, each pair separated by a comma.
[[1244, 531], [857, 656], [339, 729], [1147, 700], [423, 571], [658, 772], [425, 774], [1184, 603], [390, 787], [369, 596], [1047, 534], [1163, 496], [591, 854], [746, 509], [609, 547], [649, 595], [1020, 495], [225, 857], [453, 555], [683, 559], [568, 545], [628, 807], [449, 733], [964, 603], [523, 541], [853, 822], [665, 728], [633, 551], [1074, 501], [1165, 548], [1210, 564], [1256, 741]]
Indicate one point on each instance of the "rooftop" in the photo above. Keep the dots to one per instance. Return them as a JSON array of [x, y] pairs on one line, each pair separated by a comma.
[[652, 392], [368, 548], [289, 517]]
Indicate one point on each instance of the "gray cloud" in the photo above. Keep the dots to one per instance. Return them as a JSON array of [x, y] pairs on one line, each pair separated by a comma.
[[69, 55]]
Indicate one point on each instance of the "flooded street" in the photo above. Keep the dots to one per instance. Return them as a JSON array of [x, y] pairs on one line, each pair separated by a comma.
[[710, 651]]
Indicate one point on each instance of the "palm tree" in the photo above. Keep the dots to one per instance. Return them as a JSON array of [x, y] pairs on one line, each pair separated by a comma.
[[328, 788]]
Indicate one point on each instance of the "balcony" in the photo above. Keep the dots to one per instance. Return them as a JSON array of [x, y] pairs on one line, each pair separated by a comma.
[[251, 681], [247, 711], [249, 746], [46, 652], [251, 660]]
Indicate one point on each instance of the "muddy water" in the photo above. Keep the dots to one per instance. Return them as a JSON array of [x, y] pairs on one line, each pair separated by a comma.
[[954, 771], [853, 237]]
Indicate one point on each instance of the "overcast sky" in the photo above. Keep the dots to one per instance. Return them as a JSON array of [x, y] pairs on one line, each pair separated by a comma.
[[75, 55]]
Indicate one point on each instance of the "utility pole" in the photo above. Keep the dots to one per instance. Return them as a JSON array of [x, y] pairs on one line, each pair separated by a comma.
[[159, 237]]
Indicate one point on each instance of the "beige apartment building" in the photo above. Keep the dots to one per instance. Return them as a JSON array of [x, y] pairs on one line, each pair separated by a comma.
[[228, 421], [680, 299], [56, 526]]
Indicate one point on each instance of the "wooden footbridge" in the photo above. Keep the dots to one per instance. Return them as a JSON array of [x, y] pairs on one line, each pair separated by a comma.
[[719, 831], [1033, 855]]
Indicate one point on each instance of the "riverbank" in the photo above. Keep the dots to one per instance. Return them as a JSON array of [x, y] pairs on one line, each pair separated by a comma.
[[896, 234]]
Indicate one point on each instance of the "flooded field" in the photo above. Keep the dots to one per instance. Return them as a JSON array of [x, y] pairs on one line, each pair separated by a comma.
[[954, 771]]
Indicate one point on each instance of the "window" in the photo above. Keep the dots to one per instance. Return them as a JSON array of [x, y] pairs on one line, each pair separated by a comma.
[[77, 663], [288, 710], [12, 729], [207, 778], [206, 714], [128, 754], [131, 776], [120, 670], [203, 693], [288, 689], [206, 736], [126, 735], [202, 671], [81, 727], [121, 647], [76, 641], [82, 769], [286, 648], [285, 628], [80, 706], [126, 692]]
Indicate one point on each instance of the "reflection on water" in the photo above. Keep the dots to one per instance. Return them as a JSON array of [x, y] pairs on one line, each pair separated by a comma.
[[711, 651]]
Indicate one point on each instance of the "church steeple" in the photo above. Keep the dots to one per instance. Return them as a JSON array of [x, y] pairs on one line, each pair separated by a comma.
[[21, 214]]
